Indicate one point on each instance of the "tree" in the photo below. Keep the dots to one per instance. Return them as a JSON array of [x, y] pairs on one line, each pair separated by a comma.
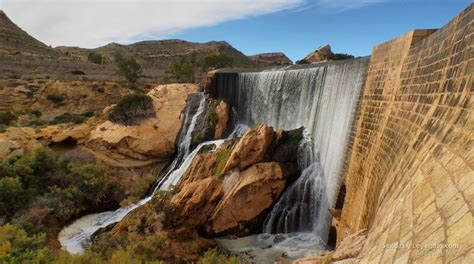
[[132, 109], [96, 58], [128, 68], [216, 61], [16, 246], [181, 72], [12, 195]]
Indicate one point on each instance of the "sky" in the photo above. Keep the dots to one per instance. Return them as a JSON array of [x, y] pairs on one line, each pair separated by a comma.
[[295, 27]]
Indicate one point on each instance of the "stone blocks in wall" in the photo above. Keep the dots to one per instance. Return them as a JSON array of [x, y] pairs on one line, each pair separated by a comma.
[[410, 170]]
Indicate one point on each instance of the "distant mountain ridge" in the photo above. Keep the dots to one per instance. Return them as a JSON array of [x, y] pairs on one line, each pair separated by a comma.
[[23, 54]]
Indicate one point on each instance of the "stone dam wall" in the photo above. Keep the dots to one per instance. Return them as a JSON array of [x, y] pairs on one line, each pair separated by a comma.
[[408, 176]]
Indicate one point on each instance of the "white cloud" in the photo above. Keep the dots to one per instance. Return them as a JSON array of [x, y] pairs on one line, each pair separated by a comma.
[[91, 23], [343, 5]]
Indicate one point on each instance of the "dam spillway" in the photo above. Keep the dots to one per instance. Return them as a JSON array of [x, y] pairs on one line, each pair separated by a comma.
[[322, 99]]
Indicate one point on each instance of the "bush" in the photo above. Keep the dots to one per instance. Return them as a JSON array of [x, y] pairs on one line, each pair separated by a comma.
[[341, 56], [217, 61], [7, 117], [12, 195], [132, 109], [128, 68], [45, 180], [303, 61], [214, 257], [16, 246], [68, 118], [221, 159], [96, 58], [180, 72], [55, 98]]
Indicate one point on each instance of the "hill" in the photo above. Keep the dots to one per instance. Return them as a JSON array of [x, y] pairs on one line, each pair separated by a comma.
[[271, 59], [14, 40]]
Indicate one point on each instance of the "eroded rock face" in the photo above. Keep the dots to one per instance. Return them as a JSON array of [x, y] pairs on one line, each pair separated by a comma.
[[256, 189], [234, 200], [323, 53], [152, 140], [222, 113], [251, 148]]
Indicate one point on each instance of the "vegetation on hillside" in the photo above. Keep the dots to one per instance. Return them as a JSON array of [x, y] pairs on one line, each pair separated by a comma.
[[96, 58], [185, 70], [342, 56], [7, 117], [128, 67], [41, 190], [132, 109]]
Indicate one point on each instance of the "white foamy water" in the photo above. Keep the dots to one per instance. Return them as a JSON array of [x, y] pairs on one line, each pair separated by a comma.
[[321, 98]]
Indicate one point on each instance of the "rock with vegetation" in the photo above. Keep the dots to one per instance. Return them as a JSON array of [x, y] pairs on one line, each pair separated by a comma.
[[137, 137], [323, 54], [227, 191], [271, 59]]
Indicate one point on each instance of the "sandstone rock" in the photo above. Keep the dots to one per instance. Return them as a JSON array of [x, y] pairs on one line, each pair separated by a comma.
[[222, 112], [271, 59], [17, 140], [323, 53], [257, 188], [251, 148], [233, 202], [152, 140]]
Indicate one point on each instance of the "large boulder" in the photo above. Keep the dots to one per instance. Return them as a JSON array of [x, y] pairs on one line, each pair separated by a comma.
[[234, 200], [251, 148], [254, 191], [152, 140]]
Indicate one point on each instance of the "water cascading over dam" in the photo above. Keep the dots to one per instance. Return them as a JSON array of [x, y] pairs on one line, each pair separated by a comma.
[[323, 99]]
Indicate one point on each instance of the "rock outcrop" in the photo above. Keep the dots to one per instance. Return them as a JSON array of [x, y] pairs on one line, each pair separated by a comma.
[[153, 140], [228, 190], [271, 59], [322, 54]]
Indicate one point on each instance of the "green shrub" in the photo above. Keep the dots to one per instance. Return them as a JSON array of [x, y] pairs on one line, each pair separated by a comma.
[[16, 246], [180, 72], [7, 117], [132, 109], [68, 118], [36, 113], [212, 256], [217, 61], [12, 195], [302, 61], [212, 117], [128, 68], [55, 98], [96, 58], [341, 56], [221, 159]]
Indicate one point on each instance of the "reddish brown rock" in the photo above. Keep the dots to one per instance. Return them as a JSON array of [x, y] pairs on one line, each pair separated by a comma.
[[323, 53], [256, 189], [251, 148], [222, 112]]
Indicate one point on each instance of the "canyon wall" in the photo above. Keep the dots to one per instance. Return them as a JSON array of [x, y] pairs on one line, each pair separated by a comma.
[[409, 172]]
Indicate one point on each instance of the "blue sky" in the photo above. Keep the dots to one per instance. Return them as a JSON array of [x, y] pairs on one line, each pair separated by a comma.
[[353, 31], [295, 27]]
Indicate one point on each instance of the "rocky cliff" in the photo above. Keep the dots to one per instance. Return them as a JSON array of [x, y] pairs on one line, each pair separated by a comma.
[[271, 59]]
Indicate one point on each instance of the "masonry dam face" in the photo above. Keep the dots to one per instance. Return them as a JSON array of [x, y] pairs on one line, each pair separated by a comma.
[[395, 130]]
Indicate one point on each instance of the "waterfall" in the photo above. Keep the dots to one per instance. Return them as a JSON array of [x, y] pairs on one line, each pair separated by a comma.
[[171, 176], [323, 99], [74, 236]]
